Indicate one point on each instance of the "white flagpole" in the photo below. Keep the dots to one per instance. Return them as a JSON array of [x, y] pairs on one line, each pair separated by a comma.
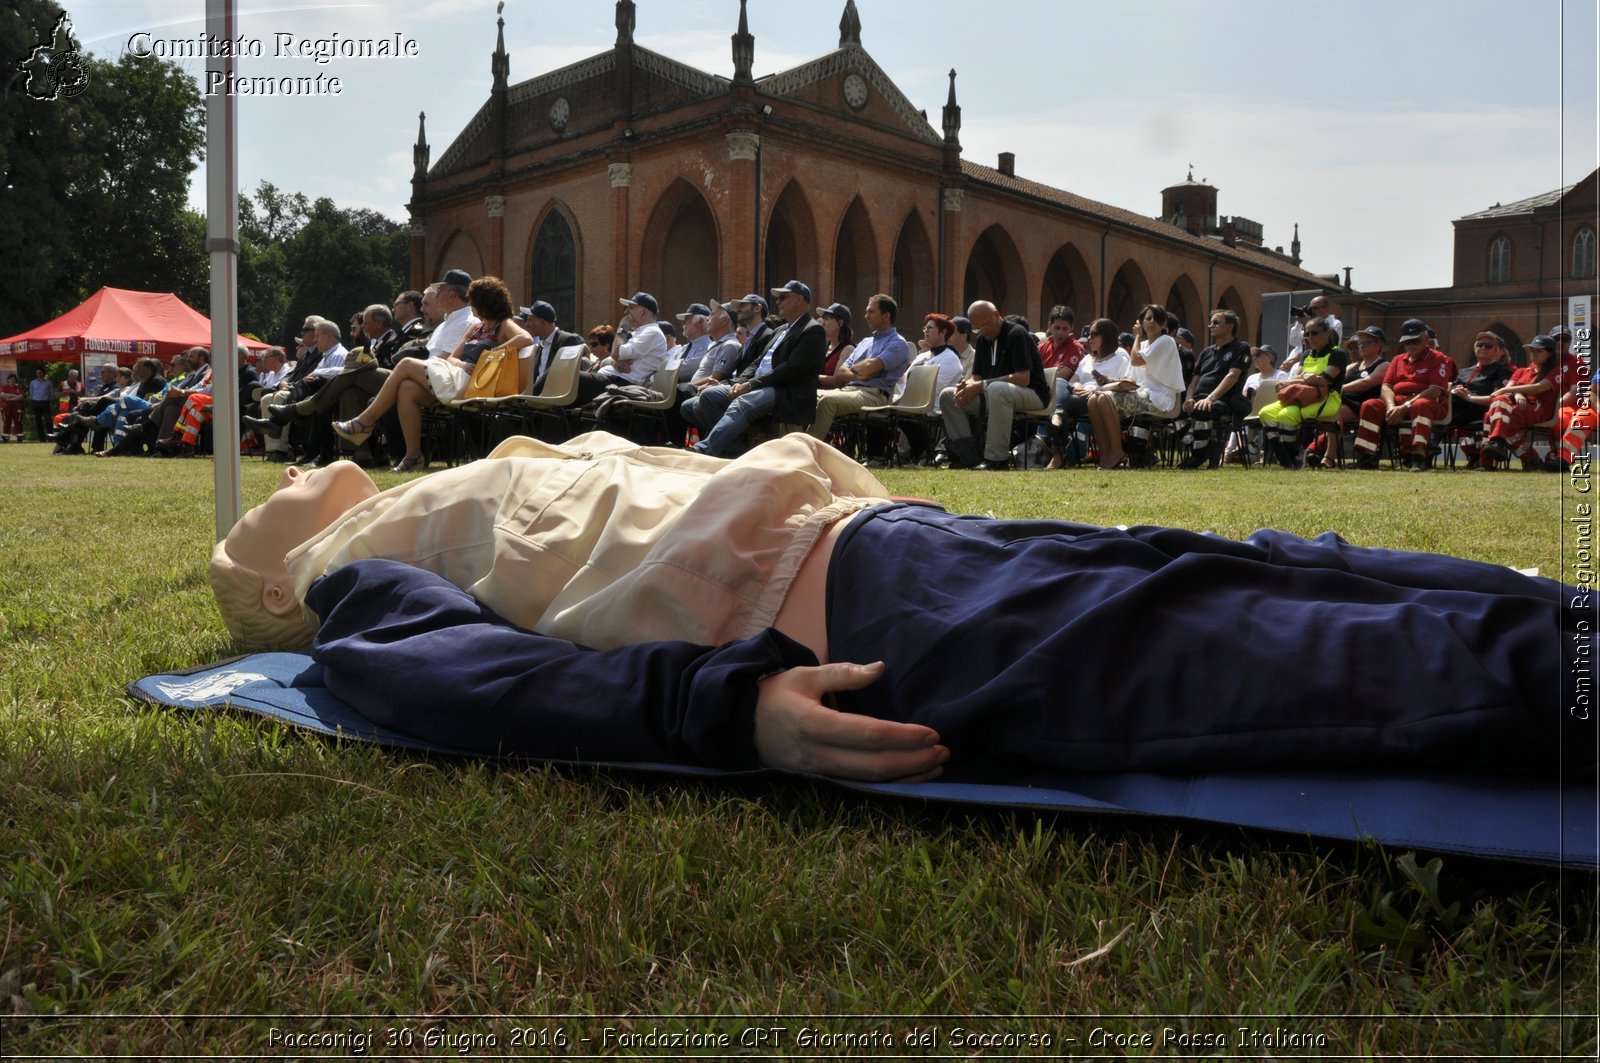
[[222, 241]]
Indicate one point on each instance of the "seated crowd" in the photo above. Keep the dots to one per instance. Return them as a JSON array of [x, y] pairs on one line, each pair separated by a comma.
[[722, 375]]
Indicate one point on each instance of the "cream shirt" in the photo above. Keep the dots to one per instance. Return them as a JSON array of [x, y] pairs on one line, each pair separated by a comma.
[[606, 543]]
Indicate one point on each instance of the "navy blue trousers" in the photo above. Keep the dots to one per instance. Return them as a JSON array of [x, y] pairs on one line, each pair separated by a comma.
[[1048, 645]]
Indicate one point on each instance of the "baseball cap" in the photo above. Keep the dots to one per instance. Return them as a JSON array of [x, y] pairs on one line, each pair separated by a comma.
[[838, 310], [758, 300], [802, 290], [1413, 329], [644, 299], [695, 310], [457, 276]]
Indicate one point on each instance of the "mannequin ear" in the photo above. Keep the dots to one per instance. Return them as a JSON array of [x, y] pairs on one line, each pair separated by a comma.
[[277, 599]]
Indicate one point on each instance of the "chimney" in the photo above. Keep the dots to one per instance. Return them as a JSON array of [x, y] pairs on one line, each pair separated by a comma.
[[1008, 163]]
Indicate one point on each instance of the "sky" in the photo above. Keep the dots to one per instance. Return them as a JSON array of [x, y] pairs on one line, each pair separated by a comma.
[[1370, 123]]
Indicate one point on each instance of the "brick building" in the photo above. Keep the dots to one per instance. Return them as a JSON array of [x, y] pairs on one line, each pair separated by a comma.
[[630, 170], [1515, 266]]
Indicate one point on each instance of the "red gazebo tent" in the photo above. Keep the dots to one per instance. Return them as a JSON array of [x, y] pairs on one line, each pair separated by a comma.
[[129, 325]]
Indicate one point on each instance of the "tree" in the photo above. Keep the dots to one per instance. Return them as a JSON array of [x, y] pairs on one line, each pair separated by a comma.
[[343, 260], [135, 200], [40, 151], [299, 257], [274, 216], [267, 223], [93, 185]]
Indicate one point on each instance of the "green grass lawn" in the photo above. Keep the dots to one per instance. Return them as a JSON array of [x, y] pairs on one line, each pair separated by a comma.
[[161, 875]]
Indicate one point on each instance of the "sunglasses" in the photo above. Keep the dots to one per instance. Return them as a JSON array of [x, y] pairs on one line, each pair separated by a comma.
[[1485, 343], [1315, 331]]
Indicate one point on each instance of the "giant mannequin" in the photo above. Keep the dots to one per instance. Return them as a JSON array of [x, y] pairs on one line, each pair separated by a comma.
[[609, 602]]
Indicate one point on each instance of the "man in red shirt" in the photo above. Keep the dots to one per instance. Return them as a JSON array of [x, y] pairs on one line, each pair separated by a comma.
[[1415, 395], [1061, 347], [1573, 365]]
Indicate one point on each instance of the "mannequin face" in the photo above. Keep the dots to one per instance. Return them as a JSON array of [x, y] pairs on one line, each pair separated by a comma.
[[304, 504]]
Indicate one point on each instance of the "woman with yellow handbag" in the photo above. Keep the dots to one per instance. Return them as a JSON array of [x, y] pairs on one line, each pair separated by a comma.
[[495, 341]]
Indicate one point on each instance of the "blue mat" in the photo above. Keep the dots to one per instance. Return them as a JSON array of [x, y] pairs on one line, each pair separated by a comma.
[[1520, 819]]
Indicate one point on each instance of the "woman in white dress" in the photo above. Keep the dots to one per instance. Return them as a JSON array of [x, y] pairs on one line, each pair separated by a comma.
[[416, 383], [1153, 388]]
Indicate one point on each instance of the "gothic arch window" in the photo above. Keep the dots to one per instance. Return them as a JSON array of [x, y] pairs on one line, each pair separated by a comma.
[[1499, 260], [555, 268], [913, 271], [1583, 254], [994, 272], [855, 263], [680, 257]]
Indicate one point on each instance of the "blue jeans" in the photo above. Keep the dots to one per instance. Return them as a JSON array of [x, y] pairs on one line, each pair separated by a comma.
[[706, 409], [724, 438]]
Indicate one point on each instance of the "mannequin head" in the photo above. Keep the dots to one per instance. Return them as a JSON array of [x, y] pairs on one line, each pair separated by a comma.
[[248, 575]]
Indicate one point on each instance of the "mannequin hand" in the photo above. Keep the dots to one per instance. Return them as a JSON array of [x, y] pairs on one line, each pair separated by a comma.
[[795, 731]]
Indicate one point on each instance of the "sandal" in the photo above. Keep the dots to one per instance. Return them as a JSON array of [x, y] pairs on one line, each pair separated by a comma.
[[407, 464], [356, 431]]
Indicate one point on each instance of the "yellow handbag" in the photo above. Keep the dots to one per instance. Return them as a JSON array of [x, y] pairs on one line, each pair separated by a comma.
[[495, 374]]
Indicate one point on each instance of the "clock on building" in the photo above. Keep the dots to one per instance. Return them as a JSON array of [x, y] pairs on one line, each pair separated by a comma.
[[855, 91], [560, 111]]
